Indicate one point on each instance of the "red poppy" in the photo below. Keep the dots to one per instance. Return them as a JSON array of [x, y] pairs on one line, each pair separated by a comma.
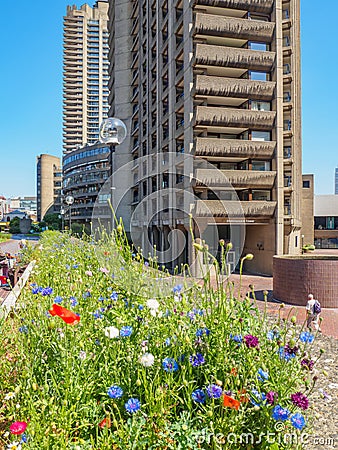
[[66, 315], [233, 371], [242, 396], [106, 422], [230, 402], [18, 427]]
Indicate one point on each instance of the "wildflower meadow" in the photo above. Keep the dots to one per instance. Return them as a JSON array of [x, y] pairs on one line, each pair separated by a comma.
[[98, 355]]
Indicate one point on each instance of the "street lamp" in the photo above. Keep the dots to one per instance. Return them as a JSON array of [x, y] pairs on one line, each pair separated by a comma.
[[62, 213], [70, 200], [112, 132]]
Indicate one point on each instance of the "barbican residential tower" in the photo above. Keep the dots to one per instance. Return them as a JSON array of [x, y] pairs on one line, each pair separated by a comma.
[[219, 80]]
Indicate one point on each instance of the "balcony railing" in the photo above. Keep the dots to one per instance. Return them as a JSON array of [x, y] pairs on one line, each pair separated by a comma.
[[224, 208], [264, 6], [233, 87], [235, 178], [215, 25], [229, 117], [234, 148], [215, 55]]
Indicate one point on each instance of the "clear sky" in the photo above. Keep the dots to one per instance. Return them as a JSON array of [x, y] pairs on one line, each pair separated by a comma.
[[31, 90]]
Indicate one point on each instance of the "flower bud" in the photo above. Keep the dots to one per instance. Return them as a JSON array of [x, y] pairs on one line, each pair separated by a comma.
[[198, 247], [249, 256], [228, 247], [293, 320]]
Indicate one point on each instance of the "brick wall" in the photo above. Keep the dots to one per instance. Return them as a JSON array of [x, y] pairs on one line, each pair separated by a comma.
[[295, 278]]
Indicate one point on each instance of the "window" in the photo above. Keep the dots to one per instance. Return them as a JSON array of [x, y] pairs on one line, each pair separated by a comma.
[[260, 106], [258, 46], [306, 184], [258, 76], [260, 136]]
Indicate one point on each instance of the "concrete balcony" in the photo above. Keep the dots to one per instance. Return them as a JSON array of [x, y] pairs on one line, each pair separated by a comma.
[[264, 6], [214, 25], [223, 208], [230, 117], [216, 148], [242, 58], [254, 179], [233, 87]]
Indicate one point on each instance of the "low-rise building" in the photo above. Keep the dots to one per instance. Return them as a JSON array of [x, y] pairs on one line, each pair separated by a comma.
[[49, 185], [326, 221]]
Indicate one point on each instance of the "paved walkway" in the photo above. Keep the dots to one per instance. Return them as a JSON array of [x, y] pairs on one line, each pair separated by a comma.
[[12, 247], [260, 284]]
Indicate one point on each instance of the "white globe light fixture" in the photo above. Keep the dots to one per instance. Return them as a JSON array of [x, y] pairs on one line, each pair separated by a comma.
[[70, 200], [112, 131]]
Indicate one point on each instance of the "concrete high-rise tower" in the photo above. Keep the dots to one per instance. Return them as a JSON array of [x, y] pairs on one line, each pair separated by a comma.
[[85, 73], [219, 80], [336, 181]]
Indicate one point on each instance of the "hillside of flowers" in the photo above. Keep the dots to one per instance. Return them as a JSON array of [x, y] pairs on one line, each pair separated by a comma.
[[94, 357]]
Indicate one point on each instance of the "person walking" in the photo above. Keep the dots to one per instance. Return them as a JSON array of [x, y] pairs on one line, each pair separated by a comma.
[[313, 311]]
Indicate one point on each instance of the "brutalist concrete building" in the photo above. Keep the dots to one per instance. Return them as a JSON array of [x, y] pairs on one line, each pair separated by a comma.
[[218, 80]]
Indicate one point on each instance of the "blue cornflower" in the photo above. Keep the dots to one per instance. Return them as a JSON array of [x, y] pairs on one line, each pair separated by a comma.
[[75, 266], [101, 299], [47, 314], [199, 312], [46, 291], [191, 315], [132, 405], [58, 299], [198, 396], [35, 290], [262, 376], [177, 289], [86, 294], [280, 413], [284, 354], [167, 342], [140, 307], [114, 296], [126, 331], [237, 338], [169, 365], [115, 392], [306, 336], [23, 329], [214, 391], [298, 421], [202, 331], [258, 398], [97, 342], [73, 301], [97, 314], [272, 334], [24, 438], [197, 360]]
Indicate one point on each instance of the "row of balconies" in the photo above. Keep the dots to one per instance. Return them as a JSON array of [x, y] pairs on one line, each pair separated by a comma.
[[231, 208], [238, 179], [214, 147]]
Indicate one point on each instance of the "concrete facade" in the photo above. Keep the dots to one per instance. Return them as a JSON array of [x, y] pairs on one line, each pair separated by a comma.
[[49, 185], [85, 73], [308, 222], [220, 81]]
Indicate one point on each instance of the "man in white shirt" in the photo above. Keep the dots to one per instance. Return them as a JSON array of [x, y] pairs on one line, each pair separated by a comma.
[[311, 315]]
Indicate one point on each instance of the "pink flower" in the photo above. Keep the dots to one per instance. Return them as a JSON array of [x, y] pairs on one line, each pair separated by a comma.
[[251, 341], [89, 273], [18, 427], [104, 270]]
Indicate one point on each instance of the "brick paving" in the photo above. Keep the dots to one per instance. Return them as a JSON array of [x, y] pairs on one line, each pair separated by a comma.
[[260, 284], [11, 247]]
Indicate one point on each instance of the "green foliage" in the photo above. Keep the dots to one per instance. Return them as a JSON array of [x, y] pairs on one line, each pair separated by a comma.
[[309, 247], [14, 225], [5, 237], [63, 371], [52, 221]]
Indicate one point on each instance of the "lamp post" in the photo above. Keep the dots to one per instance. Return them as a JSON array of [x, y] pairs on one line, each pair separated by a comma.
[[62, 214], [112, 132], [70, 201]]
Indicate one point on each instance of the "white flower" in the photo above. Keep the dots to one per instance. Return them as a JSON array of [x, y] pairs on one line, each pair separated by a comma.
[[14, 446], [147, 359], [82, 355], [10, 395], [112, 332], [153, 304]]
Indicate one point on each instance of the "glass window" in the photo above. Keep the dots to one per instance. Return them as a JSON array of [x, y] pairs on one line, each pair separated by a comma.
[[258, 76], [260, 136], [260, 106], [258, 46], [306, 184]]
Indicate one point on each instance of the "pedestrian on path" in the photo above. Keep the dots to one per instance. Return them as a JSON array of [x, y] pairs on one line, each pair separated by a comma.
[[313, 311]]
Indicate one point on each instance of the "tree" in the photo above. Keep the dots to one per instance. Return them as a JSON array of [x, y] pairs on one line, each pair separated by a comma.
[[14, 225], [52, 221]]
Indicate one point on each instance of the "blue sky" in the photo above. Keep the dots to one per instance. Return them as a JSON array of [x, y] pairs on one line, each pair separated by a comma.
[[31, 90]]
